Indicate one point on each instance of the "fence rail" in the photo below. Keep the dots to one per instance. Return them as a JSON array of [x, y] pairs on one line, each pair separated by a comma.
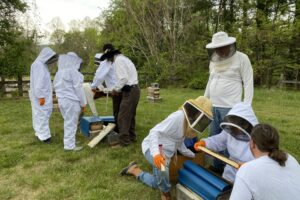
[[20, 85]]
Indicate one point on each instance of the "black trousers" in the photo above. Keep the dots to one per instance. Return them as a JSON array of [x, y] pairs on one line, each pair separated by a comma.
[[126, 115]]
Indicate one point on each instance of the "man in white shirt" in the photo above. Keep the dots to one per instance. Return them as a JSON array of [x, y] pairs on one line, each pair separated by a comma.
[[273, 175], [231, 75], [106, 73], [127, 86]]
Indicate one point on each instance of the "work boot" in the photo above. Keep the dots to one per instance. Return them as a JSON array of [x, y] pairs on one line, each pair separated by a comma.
[[165, 196]]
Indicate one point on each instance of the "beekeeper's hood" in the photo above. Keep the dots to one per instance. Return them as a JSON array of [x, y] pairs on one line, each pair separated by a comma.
[[69, 61], [46, 54], [239, 121], [198, 113], [221, 47]]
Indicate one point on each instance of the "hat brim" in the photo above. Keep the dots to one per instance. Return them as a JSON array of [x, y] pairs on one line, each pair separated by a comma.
[[230, 40], [109, 54]]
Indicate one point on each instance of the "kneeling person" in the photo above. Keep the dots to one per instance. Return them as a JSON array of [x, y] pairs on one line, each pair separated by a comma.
[[193, 118]]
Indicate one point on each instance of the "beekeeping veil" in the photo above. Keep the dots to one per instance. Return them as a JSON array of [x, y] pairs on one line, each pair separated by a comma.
[[222, 47], [239, 121], [198, 113], [97, 59]]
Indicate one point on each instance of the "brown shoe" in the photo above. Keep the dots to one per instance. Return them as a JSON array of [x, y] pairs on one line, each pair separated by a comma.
[[166, 196]]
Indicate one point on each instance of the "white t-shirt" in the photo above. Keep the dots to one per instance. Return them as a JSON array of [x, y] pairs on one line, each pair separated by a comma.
[[264, 179]]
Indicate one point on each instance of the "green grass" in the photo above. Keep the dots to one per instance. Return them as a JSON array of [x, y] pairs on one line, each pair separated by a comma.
[[31, 170]]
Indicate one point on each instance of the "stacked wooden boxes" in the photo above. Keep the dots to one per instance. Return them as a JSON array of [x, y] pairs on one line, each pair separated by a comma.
[[153, 93]]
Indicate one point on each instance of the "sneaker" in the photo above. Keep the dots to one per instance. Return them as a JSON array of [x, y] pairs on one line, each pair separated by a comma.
[[47, 141]]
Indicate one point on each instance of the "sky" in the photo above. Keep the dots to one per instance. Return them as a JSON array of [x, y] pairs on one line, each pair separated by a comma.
[[66, 10]]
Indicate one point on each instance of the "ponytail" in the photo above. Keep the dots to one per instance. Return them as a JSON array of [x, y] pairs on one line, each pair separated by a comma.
[[279, 156], [266, 138]]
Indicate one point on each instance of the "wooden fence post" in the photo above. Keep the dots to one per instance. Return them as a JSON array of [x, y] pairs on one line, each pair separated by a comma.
[[20, 85], [2, 86]]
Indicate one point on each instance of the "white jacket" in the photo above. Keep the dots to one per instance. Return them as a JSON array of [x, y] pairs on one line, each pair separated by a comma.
[[227, 80], [68, 80], [169, 133], [40, 80], [238, 150], [105, 72]]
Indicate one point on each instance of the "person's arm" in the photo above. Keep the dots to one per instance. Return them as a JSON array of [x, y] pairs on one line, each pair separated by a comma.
[[217, 142], [247, 78], [100, 74], [207, 89], [40, 88], [240, 190], [121, 74], [185, 151], [77, 80]]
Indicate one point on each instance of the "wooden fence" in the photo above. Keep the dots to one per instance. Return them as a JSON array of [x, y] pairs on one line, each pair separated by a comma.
[[19, 86]]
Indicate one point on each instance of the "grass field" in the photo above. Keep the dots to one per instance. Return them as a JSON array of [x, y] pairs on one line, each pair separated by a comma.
[[31, 170]]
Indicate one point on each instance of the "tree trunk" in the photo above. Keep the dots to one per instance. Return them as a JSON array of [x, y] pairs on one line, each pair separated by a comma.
[[20, 85]]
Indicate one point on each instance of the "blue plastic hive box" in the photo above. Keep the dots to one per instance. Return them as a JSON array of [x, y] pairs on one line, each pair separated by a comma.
[[205, 184], [85, 123]]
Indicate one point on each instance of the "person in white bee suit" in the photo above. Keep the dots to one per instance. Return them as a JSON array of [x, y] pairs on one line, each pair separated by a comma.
[[40, 93], [235, 137], [71, 98], [194, 117], [230, 76]]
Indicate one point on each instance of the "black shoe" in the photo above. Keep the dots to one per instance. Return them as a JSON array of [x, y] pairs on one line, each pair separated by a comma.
[[47, 141], [125, 169]]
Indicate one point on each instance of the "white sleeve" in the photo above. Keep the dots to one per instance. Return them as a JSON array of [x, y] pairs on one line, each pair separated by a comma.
[[207, 89], [185, 151], [100, 74], [240, 190], [217, 142], [40, 88], [121, 74], [247, 77], [166, 129], [77, 84]]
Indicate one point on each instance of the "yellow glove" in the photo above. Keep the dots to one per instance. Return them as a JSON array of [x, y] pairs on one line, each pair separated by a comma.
[[83, 109], [200, 143], [42, 101], [158, 160]]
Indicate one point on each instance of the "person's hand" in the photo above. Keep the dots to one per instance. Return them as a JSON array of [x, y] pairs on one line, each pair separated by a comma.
[[200, 143], [41, 101], [106, 90], [158, 160], [94, 91], [83, 109]]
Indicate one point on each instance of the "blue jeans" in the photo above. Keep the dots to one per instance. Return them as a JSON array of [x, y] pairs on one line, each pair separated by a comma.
[[159, 179], [219, 114]]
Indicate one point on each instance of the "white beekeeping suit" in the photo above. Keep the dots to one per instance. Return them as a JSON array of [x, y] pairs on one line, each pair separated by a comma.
[[40, 93], [71, 99]]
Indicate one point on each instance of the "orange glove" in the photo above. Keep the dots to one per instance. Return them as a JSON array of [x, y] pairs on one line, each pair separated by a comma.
[[83, 109], [42, 101], [158, 160], [198, 144]]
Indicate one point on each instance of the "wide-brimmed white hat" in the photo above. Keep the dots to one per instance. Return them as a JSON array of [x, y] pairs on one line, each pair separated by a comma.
[[220, 39]]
